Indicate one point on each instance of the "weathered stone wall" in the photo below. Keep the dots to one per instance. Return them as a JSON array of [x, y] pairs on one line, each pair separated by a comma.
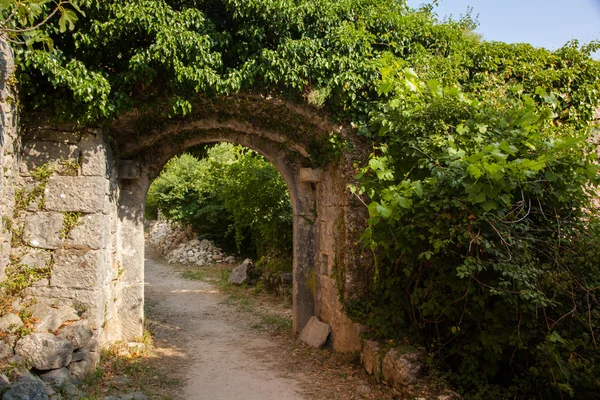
[[9, 150], [65, 217]]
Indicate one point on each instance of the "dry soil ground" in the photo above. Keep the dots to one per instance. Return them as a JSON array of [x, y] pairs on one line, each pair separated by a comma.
[[233, 345]]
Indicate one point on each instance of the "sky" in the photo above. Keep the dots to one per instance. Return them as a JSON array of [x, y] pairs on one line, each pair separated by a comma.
[[543, 23]]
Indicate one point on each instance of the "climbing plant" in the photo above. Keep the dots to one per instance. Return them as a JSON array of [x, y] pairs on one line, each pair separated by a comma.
[[479, 186]]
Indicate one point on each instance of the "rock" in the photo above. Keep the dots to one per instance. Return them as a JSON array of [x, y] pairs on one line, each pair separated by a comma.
[[49, 318], [79, 333], [136, 346], [71, 391], [10, 323], [243, 273], [27, 389], [315, 333], [363, 390], [6, 351], [128, 396], [286, 278], [120, 381], [83, 363], [400, 369], [81, 368], [133, 396], [79, 355], [45, 351], [217, 257], [56, 378], [4, 383], [370, 358], [229, 260]]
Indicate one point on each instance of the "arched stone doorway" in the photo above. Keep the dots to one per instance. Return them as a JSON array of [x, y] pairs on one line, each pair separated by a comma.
[[327, 223], [302, 194], [101, 176]]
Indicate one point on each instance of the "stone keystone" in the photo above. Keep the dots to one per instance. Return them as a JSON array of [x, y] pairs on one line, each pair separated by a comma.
[[315, 333]]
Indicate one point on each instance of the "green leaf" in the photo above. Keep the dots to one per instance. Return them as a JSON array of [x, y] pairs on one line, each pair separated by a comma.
[[437, 90]]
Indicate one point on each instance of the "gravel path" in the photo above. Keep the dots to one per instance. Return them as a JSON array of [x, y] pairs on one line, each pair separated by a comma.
[[216, 357]]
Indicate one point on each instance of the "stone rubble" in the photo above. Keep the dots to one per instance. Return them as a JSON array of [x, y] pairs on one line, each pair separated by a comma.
[[177, 245], [243, 273], [315, 333]]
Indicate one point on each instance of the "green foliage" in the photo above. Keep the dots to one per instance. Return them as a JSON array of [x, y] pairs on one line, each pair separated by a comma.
[[21, 276], [71, 220], [233, 196], [483, 221]]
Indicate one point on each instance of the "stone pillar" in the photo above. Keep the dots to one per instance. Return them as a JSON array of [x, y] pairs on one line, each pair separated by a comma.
[[304, 260], [133, 185]]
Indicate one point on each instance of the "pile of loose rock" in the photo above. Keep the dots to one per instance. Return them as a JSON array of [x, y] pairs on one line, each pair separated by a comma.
[[61, 349], [177, 245]]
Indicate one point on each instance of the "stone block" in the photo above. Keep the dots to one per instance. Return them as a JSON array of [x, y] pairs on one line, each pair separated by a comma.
[[36, 154], [346, 333], [131, 314], [37, 259], [91, 301], [10, 322], [42, 230], [76, 194], [92, 232], [400, 369], [51, 318], [311, 175], [79, 269], [44, 351], [315, 333], [94, 157]]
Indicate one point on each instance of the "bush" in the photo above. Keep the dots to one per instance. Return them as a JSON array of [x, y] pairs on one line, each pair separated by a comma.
[[483, 220], [233, 196]]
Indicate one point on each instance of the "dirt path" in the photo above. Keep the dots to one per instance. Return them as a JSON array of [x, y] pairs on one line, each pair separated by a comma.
[[215, 357]]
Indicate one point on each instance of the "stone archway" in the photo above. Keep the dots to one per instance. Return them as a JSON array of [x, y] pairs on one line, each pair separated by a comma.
[[100, 177], [300, 182], [327, 222]]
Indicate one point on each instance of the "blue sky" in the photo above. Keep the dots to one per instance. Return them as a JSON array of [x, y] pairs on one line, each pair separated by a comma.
[[543, 23]]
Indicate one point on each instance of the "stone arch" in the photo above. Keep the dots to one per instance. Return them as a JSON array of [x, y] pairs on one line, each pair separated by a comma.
[[141, 161], [103, 174]]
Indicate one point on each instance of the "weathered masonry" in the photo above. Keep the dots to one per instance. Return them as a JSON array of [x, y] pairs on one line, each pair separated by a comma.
[[72, 205]]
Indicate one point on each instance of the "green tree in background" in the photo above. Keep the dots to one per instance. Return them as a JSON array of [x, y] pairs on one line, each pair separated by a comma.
[[232, 195]]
